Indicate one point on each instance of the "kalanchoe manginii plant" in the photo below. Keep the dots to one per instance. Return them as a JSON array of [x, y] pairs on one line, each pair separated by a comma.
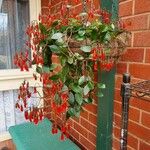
[[83, 43]]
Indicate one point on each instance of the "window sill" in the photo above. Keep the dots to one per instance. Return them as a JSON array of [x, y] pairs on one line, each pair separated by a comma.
[[5, 136], [11, 74]]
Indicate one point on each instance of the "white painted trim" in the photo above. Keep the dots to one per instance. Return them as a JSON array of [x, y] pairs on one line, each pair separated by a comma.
[[11, 78], [5, 136], [35, 9]]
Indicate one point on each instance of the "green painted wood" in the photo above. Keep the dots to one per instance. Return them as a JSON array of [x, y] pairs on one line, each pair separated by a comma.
[[106, 103], [28, 136], [105, 111], [111, 6]]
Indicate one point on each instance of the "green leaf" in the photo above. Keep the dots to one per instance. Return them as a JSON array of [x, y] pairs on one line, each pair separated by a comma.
[[77, 113], [57, 99], [78, 56], [104, 28], [91, 85], [64, 88], [57, 36], [100, 94], [70, 60], [88, 88], [42, 28], [107, 36], [88, 100], [112, 26], [94, 35], [81, 80], [54, 77], [60, 41], [76, 88], [53, 66], [86, 49], [71, 112], [71, 98], [79, 99], [101, 85], [63, 60], [81, 32], [46, 69], [54, 48], [55, 23], [64, 72], [38, 69], [79, 38]]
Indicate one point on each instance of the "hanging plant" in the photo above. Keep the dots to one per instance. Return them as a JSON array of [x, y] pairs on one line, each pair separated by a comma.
[[84, 44]]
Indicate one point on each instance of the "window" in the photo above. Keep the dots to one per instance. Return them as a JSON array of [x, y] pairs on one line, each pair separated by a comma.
[[15, 15]]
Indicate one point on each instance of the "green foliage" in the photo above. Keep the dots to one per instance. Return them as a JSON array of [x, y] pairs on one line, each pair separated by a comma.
[[76, 61], [86, 49]]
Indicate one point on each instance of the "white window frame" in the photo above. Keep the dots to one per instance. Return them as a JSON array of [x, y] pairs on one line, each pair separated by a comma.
[[11, 78]]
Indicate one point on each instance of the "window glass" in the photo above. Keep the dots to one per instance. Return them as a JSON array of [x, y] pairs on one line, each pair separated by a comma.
[[14, 18]]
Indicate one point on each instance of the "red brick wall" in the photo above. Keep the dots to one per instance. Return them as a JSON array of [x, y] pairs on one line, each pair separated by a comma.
[[136, 62]]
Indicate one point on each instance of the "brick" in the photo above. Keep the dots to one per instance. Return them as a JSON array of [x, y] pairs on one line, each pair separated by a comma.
[[74, 133], [142, 6], [92, 138], [140, 104], [129, 148], [136, 23], [140, 71], [116, 144], [133, 55], [87, 144], [144, 146], [117, 107], [118, 81], [78, 9], [134, 114], [84, 114], [54, 2], [147, 58], [146, 119], [117, 95], [125, 9], [139, 131], [85, 123], [117, 120], [132, 141], [44, 3], [76, 119], [116, 132], [93, 119], [80, 129], [96, 4], [121, 68], [92, 108], [45, 10], [142, 39], [90, 127]]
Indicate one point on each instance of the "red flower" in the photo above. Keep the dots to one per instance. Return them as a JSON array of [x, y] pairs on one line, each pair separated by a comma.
[[21, 108], [95, 66], [62, 137], [64, 96], [26, 115]]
